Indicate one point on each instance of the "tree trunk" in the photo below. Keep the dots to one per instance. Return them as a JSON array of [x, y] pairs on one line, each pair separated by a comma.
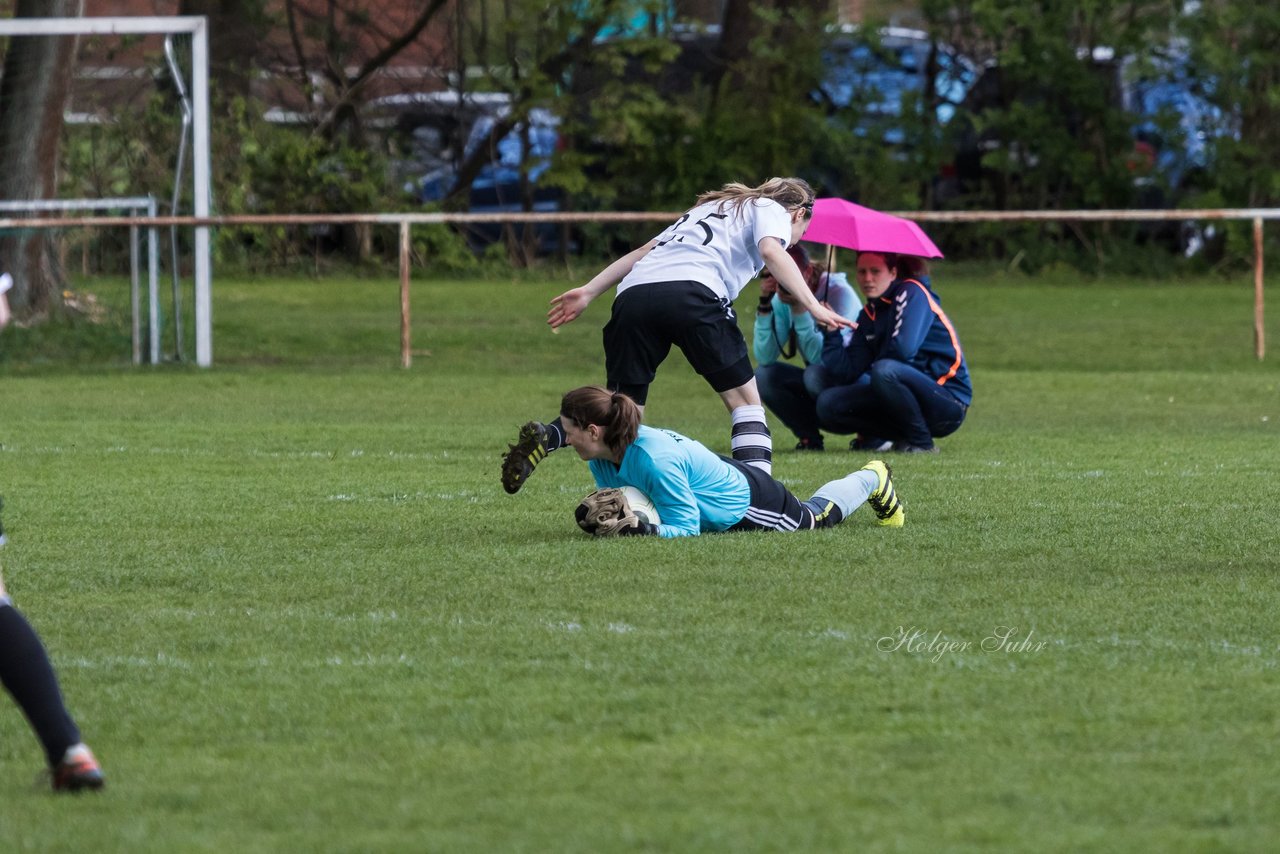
[[745, 20], [235, 32], [33, 93], [739, 26]]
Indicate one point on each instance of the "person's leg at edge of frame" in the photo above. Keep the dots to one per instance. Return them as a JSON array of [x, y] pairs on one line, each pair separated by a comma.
[[27, 674]]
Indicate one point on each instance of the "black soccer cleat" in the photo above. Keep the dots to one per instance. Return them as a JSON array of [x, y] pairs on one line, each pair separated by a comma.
[[523, 457]]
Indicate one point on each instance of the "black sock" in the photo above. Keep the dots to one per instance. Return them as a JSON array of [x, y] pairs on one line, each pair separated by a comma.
[[27, 674], [826, 514], [555, 435]]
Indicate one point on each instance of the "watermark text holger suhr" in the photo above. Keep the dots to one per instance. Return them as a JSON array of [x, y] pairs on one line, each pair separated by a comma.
[[1003, 639]]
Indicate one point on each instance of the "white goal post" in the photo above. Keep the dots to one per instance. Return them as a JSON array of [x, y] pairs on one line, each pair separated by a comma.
[[197, 28]]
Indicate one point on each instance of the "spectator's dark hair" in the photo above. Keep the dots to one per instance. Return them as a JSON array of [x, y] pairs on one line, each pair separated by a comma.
[[891, 260], [614, 411], [904, 266], [912, 267], [809, 271], [801, 256]]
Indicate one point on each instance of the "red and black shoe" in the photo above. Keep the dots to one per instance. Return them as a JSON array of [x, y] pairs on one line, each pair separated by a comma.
[[78, 771]]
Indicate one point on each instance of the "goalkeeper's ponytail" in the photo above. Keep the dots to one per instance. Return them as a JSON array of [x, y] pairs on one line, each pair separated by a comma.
[[614, 411], [624, 421]]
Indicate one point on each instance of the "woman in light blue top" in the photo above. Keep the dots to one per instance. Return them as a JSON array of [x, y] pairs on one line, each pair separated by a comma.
[[785, 329], [696, 490]]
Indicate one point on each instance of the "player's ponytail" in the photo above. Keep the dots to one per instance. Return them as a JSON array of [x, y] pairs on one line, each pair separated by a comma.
[[791, 193], [624, 421], [614, 411]]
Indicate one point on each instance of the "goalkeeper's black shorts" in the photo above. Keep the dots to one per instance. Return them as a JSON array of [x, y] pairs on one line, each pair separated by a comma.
[[773, 507]]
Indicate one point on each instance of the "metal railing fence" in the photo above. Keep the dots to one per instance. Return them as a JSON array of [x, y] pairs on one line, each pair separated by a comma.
[[405, 222]]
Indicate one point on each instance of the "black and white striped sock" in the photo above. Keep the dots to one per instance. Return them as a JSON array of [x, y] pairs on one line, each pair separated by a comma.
[[751, 442]]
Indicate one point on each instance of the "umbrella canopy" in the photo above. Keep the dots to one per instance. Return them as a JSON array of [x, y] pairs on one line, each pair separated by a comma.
[[840, 223]]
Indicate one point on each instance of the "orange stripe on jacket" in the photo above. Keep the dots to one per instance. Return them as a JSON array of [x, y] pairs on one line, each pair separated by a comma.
[[951, 330]]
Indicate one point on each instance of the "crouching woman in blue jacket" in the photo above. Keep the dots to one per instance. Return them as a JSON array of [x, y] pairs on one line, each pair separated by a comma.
[[903, 374], [695, 490]]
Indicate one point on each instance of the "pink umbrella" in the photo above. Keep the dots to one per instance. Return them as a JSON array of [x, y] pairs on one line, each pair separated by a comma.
[[840, 223]]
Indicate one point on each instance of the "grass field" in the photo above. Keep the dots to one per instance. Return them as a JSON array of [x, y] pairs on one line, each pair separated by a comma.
[[293, 610]]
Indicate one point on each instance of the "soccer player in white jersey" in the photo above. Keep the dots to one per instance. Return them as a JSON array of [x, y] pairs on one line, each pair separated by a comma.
[[679, 289], [694, 490]]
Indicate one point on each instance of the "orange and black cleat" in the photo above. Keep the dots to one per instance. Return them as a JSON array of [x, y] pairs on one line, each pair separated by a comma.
[[78, 771]]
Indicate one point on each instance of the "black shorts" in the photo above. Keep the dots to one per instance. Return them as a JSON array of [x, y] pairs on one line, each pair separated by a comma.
[[648, 319], [773, 507]]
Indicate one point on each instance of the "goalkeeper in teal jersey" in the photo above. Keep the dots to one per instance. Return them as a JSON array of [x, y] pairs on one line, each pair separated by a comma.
[[696, 490]]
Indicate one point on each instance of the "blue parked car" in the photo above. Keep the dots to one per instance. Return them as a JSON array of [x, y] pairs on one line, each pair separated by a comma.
[[497, 187], [1176, 127], [879, 74], [1174, 120], [439, 131], [498, 183]]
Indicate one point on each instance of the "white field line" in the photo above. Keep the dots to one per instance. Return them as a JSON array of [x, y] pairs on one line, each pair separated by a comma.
[[1005, 471], [404, 497], [298, 453]]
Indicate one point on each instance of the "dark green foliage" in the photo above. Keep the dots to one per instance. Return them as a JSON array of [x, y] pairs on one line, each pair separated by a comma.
[[1233, 56], [649, 120], [1051, 127]]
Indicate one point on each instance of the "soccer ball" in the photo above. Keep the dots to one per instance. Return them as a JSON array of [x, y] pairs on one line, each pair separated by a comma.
[[641, 505]]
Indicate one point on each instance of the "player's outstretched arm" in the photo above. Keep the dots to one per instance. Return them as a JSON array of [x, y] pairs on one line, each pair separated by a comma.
[[566, 307]]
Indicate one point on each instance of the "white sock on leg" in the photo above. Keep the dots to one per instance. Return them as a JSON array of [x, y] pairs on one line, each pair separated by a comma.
[[848, 492]]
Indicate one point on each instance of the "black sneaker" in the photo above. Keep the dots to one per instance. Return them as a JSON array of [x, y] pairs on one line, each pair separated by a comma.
[[523, 457], [870, 443], [810, 445]]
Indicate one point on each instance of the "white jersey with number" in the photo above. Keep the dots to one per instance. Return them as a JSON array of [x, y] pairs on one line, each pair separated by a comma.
[[715, 246]]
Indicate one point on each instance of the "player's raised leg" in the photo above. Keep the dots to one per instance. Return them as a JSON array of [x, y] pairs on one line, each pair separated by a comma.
[[531, 447]]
